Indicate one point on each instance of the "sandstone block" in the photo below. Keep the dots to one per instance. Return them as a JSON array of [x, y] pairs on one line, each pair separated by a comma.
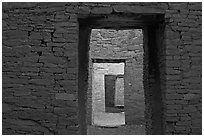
[[14, 80], [68, 121], [52, 59], [172, 63], [41, 81], [68, 131], [29, 69], [64, 103], [197, 121], [25, 49], [14, 42], [4, 15], [16, 34], [50, 69], [30, 58], [177, 6], [173, 96], [183, 123], [120, 8], [35, 35], [70, 76], [180, 128], [189, 96], [67, 82], [84, 10], [172, 35], [173, 107], [189, 109], [101, 10], [137, 9], [65, 96], [197, 130], [68, 111], [185, 118], [195, 6], [59, 40], [172, 119], [142, 9], [61, 24], [7, 108], [55, 44], [22, 92]]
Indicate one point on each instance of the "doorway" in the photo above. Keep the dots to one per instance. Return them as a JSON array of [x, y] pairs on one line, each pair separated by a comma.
[[117, 93], [151, 69]]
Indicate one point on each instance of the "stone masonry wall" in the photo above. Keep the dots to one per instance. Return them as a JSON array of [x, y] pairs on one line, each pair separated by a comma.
[[40, 64], [113, 44]]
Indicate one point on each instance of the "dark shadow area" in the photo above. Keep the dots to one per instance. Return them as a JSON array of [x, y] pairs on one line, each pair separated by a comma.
[[109, 91], [110, 106]]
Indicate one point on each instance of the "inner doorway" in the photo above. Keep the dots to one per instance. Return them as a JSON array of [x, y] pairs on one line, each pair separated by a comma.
[[116, 93], [107, 95]]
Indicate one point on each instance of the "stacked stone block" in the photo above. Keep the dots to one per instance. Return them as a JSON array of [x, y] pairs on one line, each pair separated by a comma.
[[183, 68], [39, 71]]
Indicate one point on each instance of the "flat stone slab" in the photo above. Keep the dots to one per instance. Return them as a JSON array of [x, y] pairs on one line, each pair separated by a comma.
[[121, 130], [109, 119]]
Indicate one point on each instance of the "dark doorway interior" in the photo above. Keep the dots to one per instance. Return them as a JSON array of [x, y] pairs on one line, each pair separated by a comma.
[[109, 91]]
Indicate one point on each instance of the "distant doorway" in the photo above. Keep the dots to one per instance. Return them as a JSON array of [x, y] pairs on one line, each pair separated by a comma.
[[102, 94]]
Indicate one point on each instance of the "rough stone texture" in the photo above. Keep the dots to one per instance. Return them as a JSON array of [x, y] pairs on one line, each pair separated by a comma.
[[40, 60], [113, 44]]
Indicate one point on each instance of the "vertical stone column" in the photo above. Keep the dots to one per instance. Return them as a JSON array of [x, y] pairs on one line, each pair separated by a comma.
[[89, 93], [128, 100], [119, 91], [134, 92], [98, 96]]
